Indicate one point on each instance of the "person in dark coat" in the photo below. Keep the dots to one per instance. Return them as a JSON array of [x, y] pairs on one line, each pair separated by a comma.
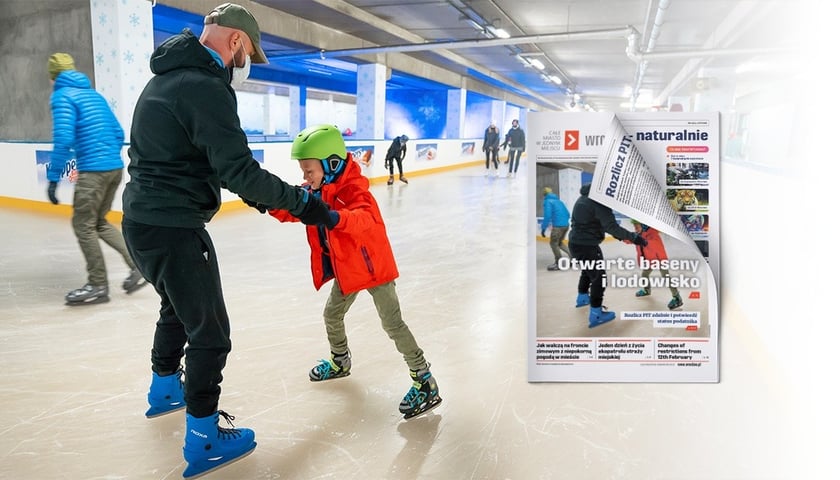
[[491, 147], [186, 144], [515, 140], [590, 221], [396, 153]]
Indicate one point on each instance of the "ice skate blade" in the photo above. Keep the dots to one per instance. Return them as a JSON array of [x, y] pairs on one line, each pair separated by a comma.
[[203, 467], [92, 301], [333, 377], [153, 412], [432, 405]]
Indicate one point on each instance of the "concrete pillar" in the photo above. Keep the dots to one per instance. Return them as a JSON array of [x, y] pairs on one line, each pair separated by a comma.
[[370, 101], [497, 113], [456, 107], [123, 41], [297, 109], [269, 113]]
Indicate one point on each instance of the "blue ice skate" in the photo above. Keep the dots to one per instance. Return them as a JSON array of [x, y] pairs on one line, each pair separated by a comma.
[[208, 447]]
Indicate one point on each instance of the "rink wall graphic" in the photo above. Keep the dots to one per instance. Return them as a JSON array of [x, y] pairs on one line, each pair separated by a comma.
[[24, 184]]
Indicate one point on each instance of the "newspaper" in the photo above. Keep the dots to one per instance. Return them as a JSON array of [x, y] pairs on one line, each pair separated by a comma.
[[659, 170]]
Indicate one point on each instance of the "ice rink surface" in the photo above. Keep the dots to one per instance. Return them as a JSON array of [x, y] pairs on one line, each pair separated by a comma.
[[74, 379]]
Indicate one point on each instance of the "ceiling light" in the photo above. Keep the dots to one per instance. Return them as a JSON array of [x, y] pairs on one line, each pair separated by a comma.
[[499, 32], [537, 64], [555, 79]]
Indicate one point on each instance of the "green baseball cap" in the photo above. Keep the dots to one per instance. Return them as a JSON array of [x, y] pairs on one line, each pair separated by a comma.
[[236, 16]]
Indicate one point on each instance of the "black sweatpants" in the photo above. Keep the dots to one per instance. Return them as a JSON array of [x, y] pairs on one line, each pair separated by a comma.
[[591, 280], [181, 263]]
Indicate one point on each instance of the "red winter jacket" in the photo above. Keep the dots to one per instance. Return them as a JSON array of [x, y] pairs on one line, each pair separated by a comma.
[[360, 252], [655, 249]]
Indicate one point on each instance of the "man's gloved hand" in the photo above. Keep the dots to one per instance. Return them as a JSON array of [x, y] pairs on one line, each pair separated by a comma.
[[542, 233], [51, 192], [259, 206], [639, 240], [315, 212]]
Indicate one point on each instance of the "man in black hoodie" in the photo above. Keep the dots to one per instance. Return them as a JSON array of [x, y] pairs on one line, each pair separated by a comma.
[[590, 221], [186, 144]]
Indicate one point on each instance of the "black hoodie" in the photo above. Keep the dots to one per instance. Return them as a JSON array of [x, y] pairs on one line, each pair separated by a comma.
[[591, 219], [186, 143]]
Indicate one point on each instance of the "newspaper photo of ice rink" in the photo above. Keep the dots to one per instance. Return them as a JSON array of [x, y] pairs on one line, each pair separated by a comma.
[[648, 238]]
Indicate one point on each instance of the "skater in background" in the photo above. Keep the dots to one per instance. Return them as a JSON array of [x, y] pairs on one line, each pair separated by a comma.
[[491, 147], [85, 126], [556, 216], [590, 221], [654, 250], [396, 152], [515, 139], [353, 250], [186, 144]]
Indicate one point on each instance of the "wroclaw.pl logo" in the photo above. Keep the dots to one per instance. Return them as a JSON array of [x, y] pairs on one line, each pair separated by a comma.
[[571, 140]]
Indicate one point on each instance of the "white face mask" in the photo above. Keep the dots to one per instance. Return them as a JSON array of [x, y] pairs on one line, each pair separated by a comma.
[[238, 75]]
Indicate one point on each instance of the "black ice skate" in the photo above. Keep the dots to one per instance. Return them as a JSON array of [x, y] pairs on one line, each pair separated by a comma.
[[675, 302], [87, 295], [422, 396], [336, 367], [134, 281]]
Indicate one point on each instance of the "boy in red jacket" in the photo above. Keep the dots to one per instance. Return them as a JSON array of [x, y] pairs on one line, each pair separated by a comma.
[[354, 250], [654, 250]]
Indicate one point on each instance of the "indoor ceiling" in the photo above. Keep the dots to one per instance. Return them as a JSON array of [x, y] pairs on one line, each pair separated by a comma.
[[615, 55]]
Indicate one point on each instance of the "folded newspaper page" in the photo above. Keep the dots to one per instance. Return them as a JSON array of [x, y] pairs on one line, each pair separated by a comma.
[[627, 290]]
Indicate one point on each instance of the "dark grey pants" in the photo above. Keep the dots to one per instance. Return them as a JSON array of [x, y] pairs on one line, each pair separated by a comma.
[[92, 200]]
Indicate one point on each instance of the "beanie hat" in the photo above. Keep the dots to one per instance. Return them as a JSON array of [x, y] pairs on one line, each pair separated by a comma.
[[58, 63]]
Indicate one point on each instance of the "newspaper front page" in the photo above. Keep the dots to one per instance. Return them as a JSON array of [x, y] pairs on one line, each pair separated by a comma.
[[659, 174]]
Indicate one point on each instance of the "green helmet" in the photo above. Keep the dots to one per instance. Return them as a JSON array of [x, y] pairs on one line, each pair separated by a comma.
[[324, 143], [320, 142]]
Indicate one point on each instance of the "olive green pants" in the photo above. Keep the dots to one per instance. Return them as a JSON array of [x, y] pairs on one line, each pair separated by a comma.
[[92, 199], [388, 306]]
